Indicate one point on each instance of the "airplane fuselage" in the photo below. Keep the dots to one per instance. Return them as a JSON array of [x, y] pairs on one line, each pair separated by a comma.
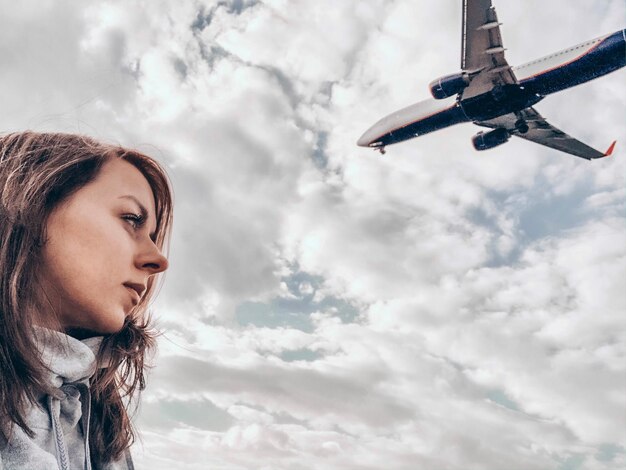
[[503, 99], [536, 79]]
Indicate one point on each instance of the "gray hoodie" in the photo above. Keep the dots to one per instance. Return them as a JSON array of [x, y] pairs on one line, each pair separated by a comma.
[[61, 420]]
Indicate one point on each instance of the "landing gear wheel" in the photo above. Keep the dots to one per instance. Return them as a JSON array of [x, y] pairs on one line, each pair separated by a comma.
[[521, 126]]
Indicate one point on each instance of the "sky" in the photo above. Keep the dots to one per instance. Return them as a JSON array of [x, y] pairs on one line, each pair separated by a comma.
[[327, 307]]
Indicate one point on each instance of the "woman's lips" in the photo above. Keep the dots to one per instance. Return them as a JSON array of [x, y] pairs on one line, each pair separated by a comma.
[[134, 294]]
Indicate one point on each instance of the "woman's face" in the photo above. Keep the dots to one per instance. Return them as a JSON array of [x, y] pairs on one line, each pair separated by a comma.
[[99, 252]]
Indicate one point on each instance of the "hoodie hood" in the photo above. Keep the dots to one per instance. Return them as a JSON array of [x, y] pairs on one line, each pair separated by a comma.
[[68, 359], [61, 417], [71, 364]]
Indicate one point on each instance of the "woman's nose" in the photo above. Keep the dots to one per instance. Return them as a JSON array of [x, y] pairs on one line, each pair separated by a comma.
[[152, 260]]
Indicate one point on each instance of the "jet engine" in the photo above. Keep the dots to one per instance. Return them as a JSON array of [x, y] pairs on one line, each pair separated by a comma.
[[491, 139], [449, 85]]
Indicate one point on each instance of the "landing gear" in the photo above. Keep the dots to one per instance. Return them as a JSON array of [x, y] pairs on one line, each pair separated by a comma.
[[521, 126], [379, 147]]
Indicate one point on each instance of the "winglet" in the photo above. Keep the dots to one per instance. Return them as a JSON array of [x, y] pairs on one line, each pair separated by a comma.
[[610, 150]]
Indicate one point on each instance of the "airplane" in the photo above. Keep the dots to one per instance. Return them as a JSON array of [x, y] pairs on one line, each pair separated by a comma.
[[492, 94]]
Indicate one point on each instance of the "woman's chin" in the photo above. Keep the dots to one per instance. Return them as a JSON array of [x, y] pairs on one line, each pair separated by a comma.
[[114, 325], [111, 326]]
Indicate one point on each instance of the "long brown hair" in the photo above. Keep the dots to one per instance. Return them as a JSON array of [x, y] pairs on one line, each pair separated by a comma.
[[38, 171]]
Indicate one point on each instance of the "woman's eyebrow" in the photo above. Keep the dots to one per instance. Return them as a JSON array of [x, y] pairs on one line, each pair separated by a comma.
[[142, 210]]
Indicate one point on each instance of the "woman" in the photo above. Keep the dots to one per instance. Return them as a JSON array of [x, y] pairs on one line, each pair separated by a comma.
[[82, 229]]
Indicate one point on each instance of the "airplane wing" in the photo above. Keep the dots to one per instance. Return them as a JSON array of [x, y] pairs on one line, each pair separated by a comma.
[[482, 53], [544, 133]]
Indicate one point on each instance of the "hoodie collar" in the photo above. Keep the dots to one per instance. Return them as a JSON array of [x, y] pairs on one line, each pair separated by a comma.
[[68, 359]]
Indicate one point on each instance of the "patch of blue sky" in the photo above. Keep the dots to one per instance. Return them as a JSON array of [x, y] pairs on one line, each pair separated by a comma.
[[319, 150], [499, 397], [537, 218], [608, 452], [305, 355], [295, 310], [204, 18], [554, 214], [170, 413], [572, 462]]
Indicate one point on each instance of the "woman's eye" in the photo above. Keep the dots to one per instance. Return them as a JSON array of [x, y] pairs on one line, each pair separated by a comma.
[[135, 220]]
